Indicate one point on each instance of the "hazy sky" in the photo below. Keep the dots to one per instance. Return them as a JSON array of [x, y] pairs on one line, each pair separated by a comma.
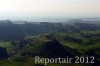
[[30, 9]]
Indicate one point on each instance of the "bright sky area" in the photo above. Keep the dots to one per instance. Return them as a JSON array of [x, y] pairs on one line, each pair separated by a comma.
[[32, 9]]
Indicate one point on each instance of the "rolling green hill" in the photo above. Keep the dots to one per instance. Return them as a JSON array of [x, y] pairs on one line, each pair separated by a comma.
[[71, 41]]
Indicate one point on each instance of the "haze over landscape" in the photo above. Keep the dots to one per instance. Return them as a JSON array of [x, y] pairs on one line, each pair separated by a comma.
[[50, 32], [46, 10]]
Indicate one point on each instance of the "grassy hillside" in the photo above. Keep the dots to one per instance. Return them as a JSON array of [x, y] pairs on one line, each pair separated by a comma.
[[52, 45], [68, 40]]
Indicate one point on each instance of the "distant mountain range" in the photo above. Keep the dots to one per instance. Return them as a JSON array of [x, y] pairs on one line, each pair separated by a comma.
[[57, 20], [16, 30]]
